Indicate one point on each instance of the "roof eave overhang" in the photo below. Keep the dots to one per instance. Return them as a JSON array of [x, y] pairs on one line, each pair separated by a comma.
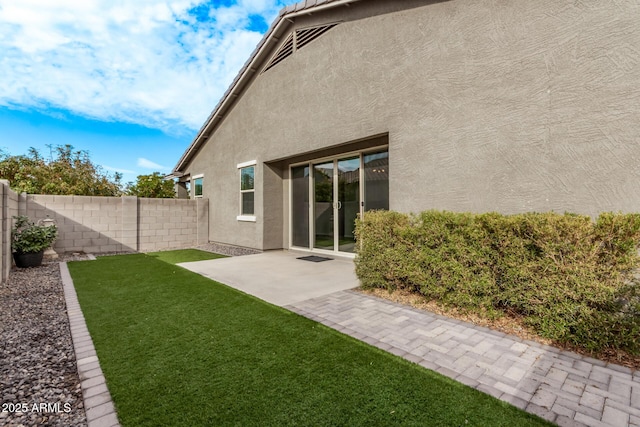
[[285, 18], [173, 175]]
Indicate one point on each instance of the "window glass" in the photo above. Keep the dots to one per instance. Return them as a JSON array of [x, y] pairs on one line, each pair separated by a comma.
[[376, 181], [300, 206], [197, 185], [246, 178], [247, 203], [247, 190]]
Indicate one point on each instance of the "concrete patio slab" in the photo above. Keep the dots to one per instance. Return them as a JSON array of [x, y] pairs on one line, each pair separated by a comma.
[[279, 277]]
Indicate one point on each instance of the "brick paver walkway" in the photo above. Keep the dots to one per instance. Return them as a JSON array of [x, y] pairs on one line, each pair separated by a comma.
[[560, 386]]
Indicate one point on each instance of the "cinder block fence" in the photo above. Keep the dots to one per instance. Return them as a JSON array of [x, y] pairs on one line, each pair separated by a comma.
[[108, 224], [8, 210]]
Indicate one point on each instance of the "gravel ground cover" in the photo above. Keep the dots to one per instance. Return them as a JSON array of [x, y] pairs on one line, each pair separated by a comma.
[[39, 383], [227, 249]]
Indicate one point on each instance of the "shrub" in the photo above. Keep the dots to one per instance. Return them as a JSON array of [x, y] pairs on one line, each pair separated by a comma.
[[568, 277], [28, 237]]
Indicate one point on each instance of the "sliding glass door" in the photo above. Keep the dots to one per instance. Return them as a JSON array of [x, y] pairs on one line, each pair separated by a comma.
[[300, 206], [323, 206], [348, 204], [376, 181], [327, 196]]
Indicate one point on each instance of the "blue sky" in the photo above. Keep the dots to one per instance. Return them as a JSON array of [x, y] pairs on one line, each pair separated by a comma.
[[129, 81]]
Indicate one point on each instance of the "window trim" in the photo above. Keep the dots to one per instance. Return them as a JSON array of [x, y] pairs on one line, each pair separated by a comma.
[[247, 164], [244, 217], [193, 184]]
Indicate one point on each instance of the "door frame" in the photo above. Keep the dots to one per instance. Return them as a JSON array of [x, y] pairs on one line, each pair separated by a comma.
[[309, 163]]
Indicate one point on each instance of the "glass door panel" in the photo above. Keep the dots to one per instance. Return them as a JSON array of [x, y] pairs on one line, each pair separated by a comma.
[[323, 206], [348, 205], [376, 180], [300, 206]]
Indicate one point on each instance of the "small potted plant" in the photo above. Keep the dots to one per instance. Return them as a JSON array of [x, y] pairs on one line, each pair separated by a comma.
[[29, 241]]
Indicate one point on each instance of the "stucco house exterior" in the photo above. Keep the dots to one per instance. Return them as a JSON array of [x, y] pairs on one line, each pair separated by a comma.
[[464, 105]]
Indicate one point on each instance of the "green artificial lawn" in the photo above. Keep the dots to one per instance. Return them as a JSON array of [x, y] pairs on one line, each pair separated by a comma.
[[179, 349]]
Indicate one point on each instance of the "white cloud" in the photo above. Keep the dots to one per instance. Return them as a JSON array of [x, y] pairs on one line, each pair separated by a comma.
[[119, 170], [163, 64], [148, 164]]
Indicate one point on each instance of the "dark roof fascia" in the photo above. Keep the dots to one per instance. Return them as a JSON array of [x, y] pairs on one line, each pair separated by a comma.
[[264, 48]]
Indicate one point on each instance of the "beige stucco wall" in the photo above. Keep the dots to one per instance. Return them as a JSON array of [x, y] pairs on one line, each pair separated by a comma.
[[499, 105]]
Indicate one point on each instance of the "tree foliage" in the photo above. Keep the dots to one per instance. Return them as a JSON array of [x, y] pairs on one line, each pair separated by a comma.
[[153, 186], [71, 172]]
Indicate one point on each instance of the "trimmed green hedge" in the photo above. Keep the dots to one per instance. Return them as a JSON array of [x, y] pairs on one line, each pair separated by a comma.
[[570, 278]]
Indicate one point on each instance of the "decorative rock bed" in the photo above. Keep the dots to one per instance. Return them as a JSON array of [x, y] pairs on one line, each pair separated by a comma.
[[39, 383], [229, 250]]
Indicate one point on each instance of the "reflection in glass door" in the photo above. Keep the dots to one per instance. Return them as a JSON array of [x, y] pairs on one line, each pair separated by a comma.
[[376, 180], [348, 204], [327, 197], [323, 206], [300, 206]]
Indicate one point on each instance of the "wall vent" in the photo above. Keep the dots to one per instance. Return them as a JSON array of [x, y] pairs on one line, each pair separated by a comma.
[[307, 35], [284, 52], [295, 41]]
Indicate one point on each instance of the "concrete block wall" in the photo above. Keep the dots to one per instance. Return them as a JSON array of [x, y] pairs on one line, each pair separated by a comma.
[[106, 224], [170, 223], [85, 224], [121, 224], [9, 207], [129, 221]]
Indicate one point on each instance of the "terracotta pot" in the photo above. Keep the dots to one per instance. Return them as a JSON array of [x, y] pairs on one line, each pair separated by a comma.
[[33, 259]]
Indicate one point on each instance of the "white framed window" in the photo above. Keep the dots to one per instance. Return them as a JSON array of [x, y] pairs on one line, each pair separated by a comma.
[[247, 191], [197, 181]]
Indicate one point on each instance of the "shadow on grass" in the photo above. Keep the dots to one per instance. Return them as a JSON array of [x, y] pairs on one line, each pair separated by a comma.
[[184, 255]]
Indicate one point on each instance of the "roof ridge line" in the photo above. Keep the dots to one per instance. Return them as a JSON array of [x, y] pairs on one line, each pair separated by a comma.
[[286, 13]]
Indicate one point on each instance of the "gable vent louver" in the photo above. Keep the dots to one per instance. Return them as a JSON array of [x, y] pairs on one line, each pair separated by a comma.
[[284, 52], [306, 36], [296, 41]]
